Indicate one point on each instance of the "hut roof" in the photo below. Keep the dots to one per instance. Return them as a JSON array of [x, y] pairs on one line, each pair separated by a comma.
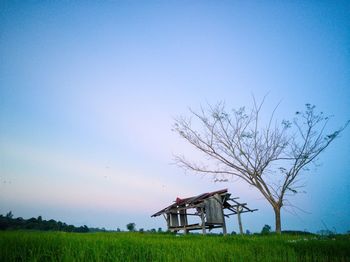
[[189, 201]]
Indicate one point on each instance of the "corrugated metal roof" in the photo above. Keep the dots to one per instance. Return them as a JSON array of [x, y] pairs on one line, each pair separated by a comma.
[[189, 200]]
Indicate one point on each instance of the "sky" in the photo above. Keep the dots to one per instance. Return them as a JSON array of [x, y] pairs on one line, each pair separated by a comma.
[[89, 91]]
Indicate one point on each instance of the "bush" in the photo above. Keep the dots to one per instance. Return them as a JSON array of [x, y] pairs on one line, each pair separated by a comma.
[[266, 230]]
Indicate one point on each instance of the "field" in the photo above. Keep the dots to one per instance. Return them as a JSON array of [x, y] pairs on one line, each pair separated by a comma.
[[61, 246]]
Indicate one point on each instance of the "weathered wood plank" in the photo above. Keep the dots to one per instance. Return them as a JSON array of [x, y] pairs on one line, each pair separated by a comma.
[[174, 220], [213, 210]]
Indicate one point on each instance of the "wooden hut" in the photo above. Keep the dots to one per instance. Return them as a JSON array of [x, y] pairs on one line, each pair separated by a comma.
[[210, 208]]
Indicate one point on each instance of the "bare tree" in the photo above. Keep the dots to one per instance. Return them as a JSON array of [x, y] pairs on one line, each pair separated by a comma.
[[269, 156]]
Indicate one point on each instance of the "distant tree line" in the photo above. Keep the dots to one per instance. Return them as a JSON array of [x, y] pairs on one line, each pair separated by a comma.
[[131, 227], [8, 222]]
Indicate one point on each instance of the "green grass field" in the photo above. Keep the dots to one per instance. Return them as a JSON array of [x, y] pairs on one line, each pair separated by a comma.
[[60, 246]]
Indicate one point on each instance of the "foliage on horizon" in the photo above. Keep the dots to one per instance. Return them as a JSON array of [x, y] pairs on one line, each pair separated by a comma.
[[8, 222]]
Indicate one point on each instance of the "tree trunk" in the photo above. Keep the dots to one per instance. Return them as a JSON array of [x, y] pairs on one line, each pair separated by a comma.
[[277, 219]]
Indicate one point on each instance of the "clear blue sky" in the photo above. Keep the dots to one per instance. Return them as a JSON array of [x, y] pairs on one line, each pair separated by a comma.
[[89, 89]]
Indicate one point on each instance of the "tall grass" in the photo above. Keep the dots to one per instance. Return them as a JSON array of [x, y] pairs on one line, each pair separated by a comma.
[[61, 246]]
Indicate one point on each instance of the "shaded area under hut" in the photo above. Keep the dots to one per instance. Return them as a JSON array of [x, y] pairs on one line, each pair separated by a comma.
[[209, 207]]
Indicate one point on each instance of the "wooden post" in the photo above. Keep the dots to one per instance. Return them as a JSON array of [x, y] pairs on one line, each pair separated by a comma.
[[239, 219], [168, 220], [203, 221], [183, 219], [224, 231]]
